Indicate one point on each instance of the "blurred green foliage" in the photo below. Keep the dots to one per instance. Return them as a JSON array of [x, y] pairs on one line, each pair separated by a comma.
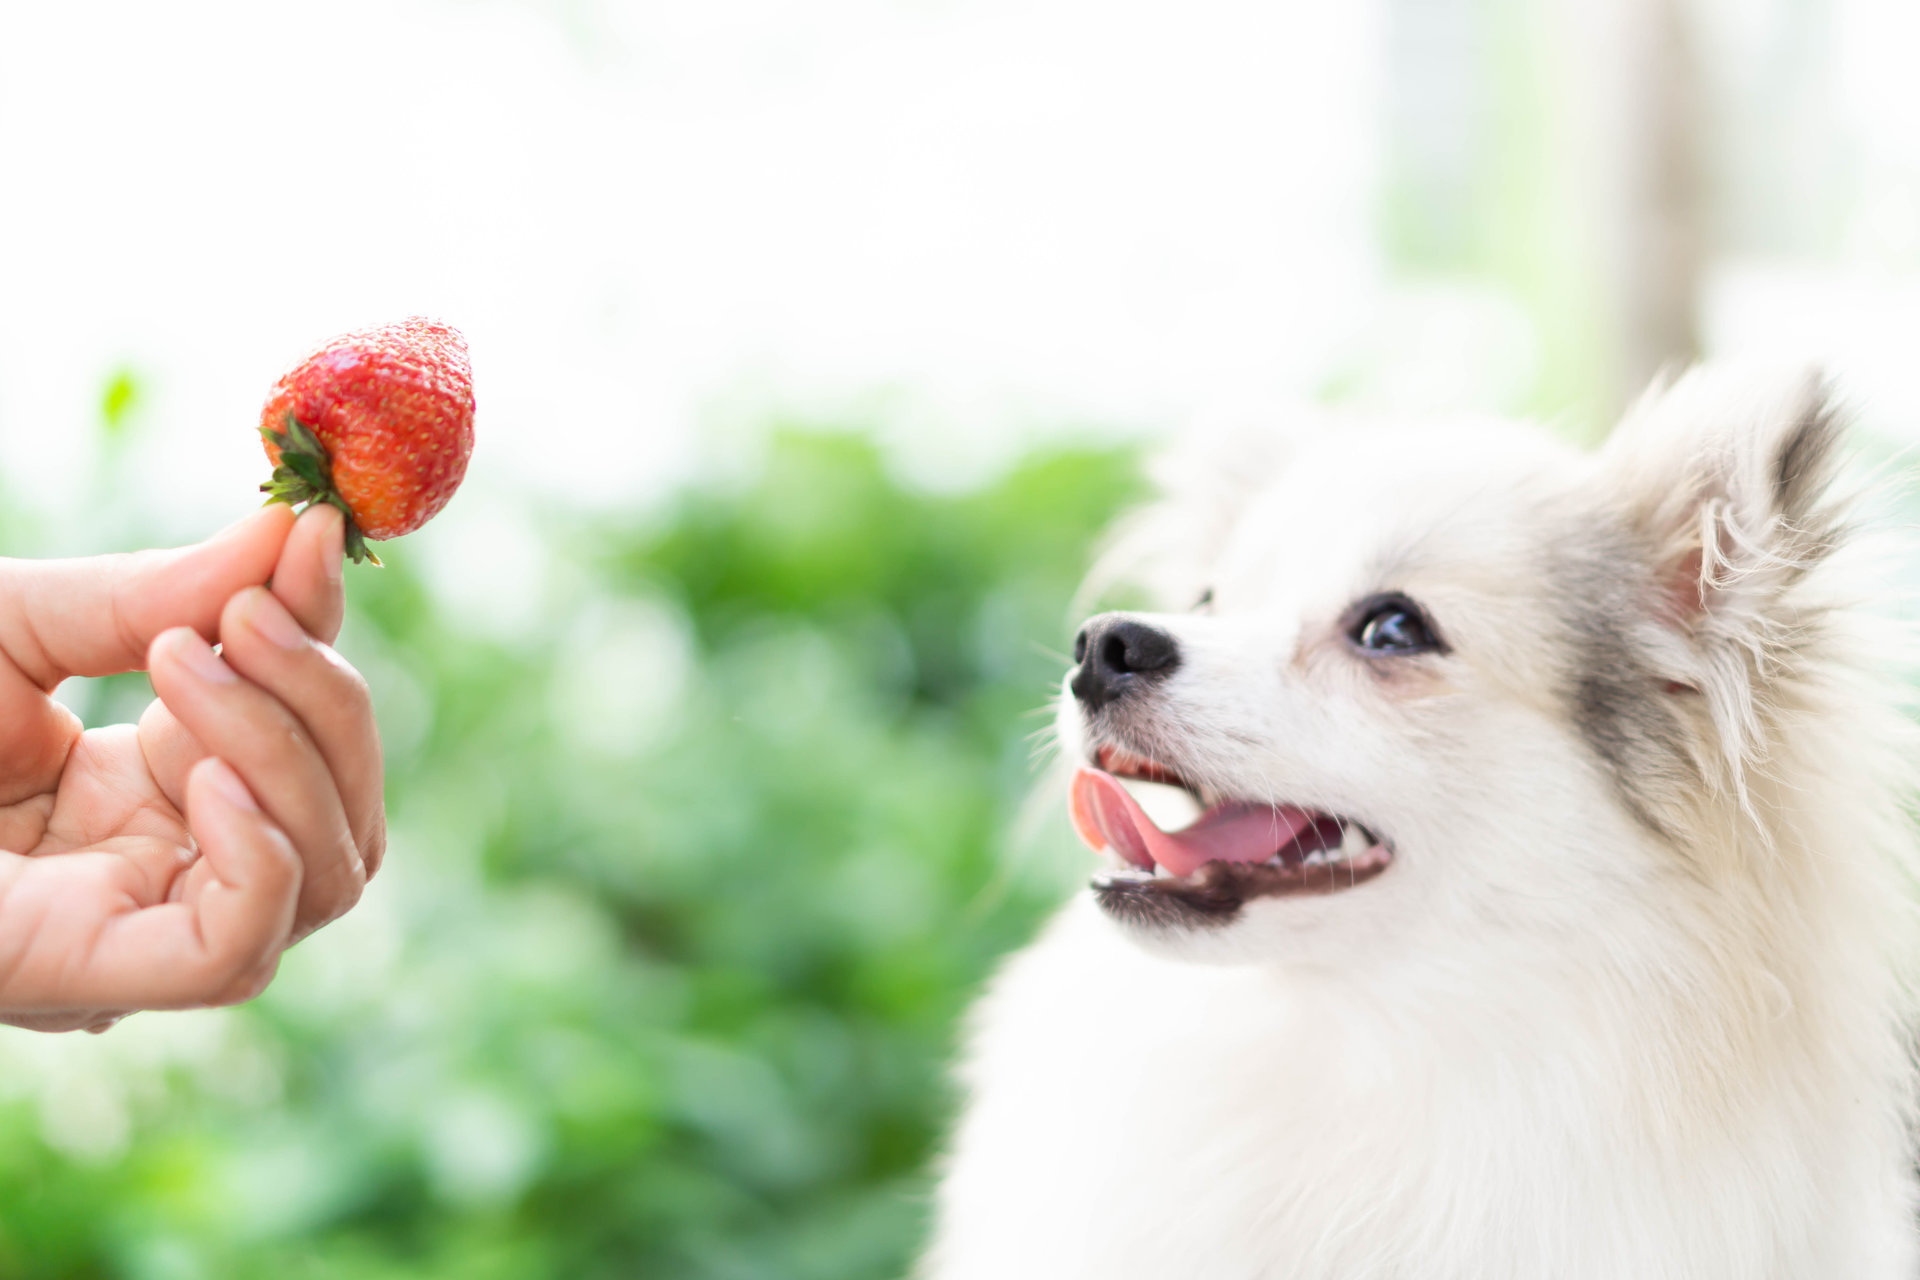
[[691, 879], [120, 396]]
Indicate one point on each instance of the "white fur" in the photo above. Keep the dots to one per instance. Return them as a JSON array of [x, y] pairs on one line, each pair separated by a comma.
[[1593, 1022]]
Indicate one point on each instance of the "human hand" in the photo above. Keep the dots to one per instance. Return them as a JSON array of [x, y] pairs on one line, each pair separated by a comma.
[[169, 865]]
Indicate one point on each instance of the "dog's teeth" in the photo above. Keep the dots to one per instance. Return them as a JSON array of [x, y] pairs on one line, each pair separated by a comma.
[[1353, 841], [1161, 873], [1275, 861], [1318, 858]]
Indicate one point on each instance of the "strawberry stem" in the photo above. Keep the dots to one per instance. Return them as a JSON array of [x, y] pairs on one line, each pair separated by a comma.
[[305, 476]]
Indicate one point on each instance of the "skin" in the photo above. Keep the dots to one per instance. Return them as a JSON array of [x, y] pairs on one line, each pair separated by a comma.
[[168, 865]]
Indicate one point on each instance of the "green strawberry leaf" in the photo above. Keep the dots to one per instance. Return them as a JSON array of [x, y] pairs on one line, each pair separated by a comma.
[[304, 476]]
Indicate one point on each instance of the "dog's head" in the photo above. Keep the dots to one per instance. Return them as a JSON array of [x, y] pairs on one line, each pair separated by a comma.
[[1460, 679]]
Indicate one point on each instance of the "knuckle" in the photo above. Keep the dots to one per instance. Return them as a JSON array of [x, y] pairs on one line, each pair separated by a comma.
[[375, 851], [248, 984], [224, 978], [353, 685], [347, 894], [337, 893], [325, 911]]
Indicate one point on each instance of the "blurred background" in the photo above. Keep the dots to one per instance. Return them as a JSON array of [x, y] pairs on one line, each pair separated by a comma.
[[814, 344]]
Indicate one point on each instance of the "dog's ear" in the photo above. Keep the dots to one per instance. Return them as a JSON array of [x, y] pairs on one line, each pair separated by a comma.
[[1727, 482], [1724, 486]]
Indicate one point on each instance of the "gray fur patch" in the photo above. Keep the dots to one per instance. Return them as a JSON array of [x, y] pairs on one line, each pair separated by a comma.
[[1618, 701], [1610, 583], [1805, 460]]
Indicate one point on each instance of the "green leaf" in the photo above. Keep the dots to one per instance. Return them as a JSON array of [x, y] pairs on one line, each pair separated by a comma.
[[119, 399], [309, 469]]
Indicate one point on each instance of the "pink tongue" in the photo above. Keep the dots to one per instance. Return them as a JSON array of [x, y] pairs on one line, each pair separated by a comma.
[[1107, 817]]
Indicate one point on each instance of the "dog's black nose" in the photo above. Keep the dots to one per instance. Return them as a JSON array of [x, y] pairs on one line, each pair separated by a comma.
[[1113, 653]]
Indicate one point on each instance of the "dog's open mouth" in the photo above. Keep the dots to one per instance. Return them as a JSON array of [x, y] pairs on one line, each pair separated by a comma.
[[1232, 853]]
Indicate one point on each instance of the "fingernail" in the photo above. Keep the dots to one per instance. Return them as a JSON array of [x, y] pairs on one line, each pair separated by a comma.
[[200, 660], [265, 615], [222, 778], [333, 543]]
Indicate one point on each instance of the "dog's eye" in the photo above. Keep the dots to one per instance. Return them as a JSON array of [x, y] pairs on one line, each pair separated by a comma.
[[1392, 624]]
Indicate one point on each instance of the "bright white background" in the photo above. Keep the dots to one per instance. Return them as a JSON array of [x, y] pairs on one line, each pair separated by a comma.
[[966, 223], [978, 219]]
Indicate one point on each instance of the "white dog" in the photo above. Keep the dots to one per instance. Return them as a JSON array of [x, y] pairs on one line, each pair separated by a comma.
[[1547, 910]]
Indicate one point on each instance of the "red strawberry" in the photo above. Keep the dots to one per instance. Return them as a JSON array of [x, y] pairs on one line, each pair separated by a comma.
[[378, 422]]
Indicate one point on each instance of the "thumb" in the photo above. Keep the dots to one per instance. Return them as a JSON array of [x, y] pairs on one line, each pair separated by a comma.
[[96, 616]]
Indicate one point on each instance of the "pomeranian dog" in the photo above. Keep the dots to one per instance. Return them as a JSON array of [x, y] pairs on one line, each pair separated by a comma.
[[1541, 907]]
